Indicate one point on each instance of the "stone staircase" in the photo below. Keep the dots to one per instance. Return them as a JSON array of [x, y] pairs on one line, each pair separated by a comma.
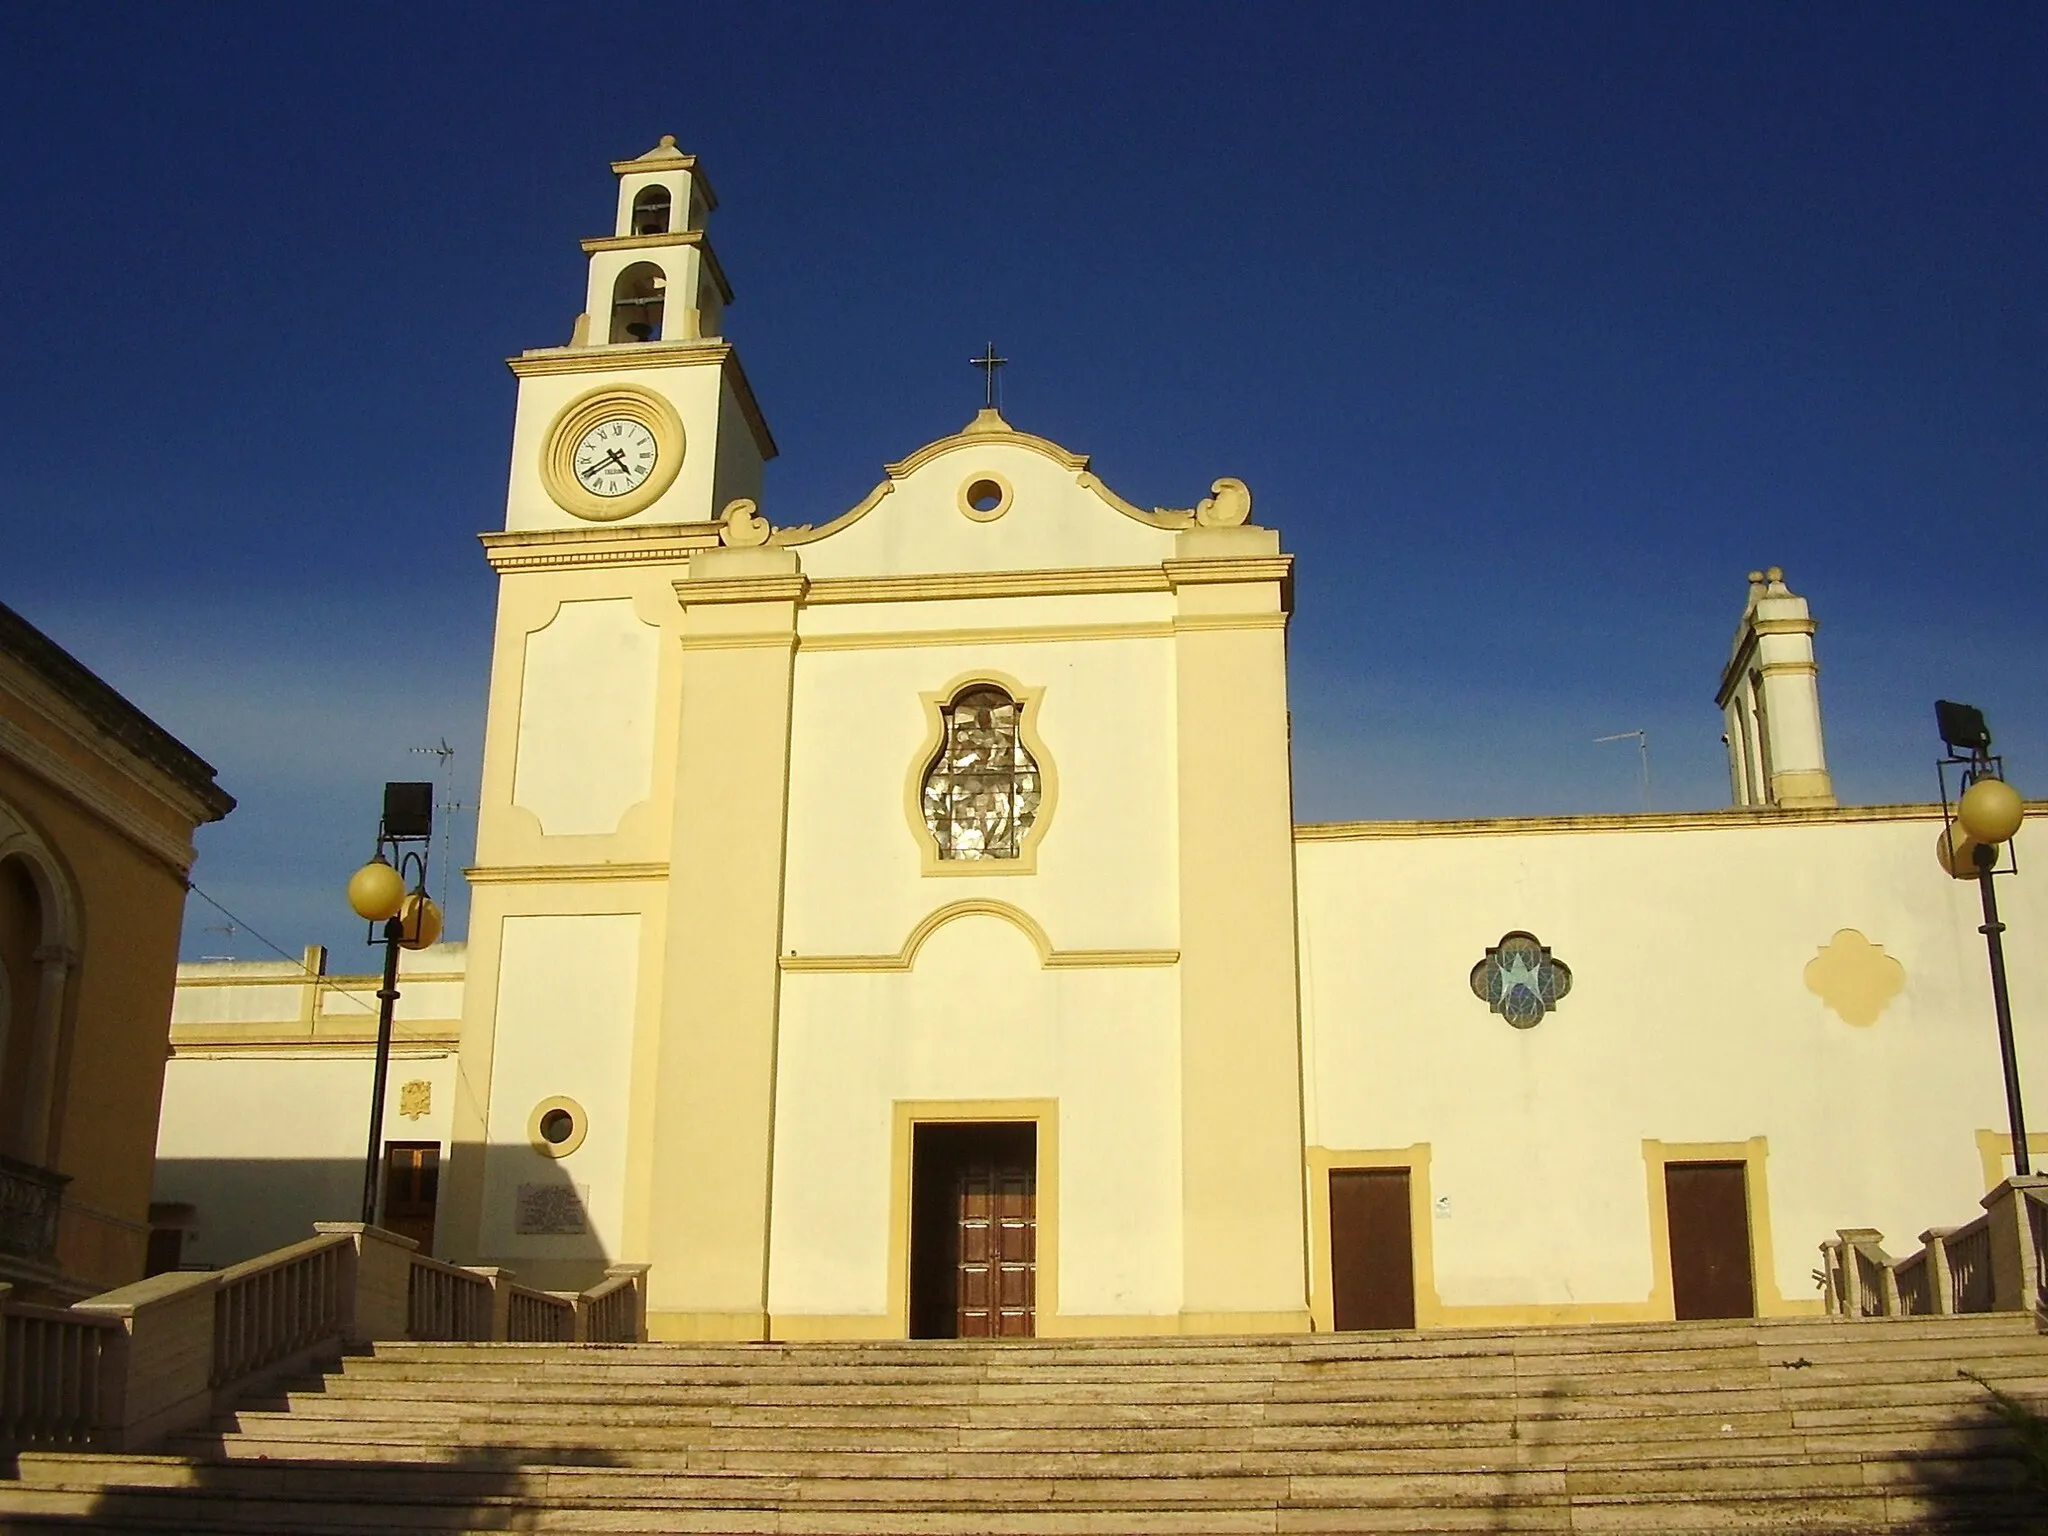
[[1818, 1426]]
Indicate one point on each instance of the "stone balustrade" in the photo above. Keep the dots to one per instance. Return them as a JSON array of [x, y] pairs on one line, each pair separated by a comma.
[[1997, 1263], [122, 1370]]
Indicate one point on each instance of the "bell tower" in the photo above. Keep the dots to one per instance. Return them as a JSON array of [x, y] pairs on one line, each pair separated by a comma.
[[645, 417]]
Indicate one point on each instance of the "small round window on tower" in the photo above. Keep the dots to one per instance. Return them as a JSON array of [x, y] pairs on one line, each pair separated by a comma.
[[557, 1126]]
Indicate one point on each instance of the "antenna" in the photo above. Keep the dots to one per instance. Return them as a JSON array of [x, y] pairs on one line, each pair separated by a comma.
[[444, 771], [227, 929], [1642, 741]]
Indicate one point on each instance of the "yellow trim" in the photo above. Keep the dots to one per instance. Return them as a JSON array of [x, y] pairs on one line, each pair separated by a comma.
[[606, 544], [1020, 634], [986, 428], [579, 1126], [940, 586], [1212, 570], [911, 1113], [1050, 957], [1763, 1268], [1027, 701], [1321, 1163], [541, 361], [1994, 1147], [537, 874], [1004, 496], [775, 587], [674, 237], [1734, 818], [611, 402], [663, 157]]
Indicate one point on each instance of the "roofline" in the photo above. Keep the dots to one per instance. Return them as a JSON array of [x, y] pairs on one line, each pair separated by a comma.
[[105, 707]]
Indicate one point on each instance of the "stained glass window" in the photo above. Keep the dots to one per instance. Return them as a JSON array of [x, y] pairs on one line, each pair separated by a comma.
[[982, 791], [1520, 980]]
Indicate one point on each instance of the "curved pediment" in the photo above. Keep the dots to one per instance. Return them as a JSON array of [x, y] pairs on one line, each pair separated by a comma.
[[992, 497]]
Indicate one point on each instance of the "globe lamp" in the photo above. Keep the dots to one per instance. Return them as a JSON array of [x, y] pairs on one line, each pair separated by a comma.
[[1991, 811], [419, 921], [376, 891]]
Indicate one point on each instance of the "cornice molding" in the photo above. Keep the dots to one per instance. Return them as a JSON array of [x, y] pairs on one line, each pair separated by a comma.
[[1731, 819], [1241, 568], [559, 874], [65, 691], [937, 586], [606, 544], [697, 592], [1013, 634], [174, 852], [610, 357], [680, 237]]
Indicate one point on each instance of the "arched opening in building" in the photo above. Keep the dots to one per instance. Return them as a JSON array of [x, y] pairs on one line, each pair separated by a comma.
[[21, 936], [637, 301], [652, 209]]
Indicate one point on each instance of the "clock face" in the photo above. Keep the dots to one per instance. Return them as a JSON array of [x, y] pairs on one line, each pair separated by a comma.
[[614, 457]]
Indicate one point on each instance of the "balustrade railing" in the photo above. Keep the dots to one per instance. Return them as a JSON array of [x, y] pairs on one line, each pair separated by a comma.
[[1969, 1266], [1997, 1263], [271, 1308], [446, 1303], [611, 1313], [535, 1317], [122, 1370], [53, 1381]]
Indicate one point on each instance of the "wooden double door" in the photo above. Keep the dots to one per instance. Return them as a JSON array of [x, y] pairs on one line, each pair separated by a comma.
[[974, 1231]]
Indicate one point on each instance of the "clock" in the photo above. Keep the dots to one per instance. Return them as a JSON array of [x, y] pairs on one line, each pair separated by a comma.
[[612, 452], [615, 457]]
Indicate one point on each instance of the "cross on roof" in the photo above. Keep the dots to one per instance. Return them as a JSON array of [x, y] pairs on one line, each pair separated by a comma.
[[988, 363]]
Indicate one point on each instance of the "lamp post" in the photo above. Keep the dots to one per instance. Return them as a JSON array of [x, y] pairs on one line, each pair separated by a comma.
[[391, 890], [1987, 813]]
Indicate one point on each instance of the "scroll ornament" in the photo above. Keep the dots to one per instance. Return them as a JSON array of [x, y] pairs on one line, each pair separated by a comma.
[[742, 527], [1228, 506]]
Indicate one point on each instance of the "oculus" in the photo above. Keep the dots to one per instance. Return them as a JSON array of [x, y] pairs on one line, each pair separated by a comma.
[[1520, 980]]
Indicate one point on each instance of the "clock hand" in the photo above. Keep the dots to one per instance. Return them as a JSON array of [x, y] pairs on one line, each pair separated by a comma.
[[614, 457]]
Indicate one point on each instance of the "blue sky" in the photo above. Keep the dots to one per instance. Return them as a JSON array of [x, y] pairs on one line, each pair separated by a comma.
[[1532, 328]]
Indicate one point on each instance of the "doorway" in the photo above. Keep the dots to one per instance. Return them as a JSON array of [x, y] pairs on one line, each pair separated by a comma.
[[1372, 1249], [1707, 1205], [412, 1179], [974, 1230]]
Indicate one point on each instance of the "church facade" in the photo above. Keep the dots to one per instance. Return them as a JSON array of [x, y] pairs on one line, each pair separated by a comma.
[[898, 926]]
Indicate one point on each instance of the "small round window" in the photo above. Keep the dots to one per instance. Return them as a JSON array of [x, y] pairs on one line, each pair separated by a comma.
[[985, 497], [557, 1126]]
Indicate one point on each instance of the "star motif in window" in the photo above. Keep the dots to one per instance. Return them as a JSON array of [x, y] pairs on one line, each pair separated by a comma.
[[1520, 981]]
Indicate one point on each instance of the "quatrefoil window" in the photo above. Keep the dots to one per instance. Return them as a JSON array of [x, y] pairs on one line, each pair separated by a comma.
[[982, 791], [1520, 980]]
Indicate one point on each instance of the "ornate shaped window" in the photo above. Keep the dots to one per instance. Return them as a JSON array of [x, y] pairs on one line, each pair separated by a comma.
[[1520, 980], [982, 795]]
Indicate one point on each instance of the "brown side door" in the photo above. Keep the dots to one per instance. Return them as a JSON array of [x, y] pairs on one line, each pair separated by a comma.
[[412, 1185], [1372, 1248], [1708, 1208]]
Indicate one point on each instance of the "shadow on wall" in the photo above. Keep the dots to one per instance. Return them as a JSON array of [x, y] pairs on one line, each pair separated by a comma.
[[536, 1218]]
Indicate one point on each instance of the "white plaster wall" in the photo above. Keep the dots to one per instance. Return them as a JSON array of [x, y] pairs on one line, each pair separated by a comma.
[[264, 1146], [1053, 522], [979, 1019], [586, 717], [1107, 866], [566, 990], [694, 389], [1688, 1020]]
